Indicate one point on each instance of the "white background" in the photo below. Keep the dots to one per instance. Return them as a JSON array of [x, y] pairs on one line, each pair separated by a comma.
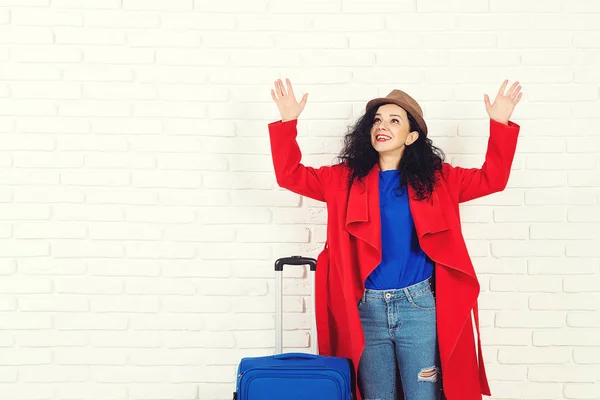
[[139, 213]]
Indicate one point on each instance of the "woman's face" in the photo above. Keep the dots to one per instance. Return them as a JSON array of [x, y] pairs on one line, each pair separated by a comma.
[[390, 132]]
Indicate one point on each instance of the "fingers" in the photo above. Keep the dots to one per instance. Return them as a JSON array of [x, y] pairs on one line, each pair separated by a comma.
[[512, 88], [502, 88], [518, 98], [303, 101], [283, 89], [515, 93], [279, 88], [512, 92], [289, 87], [486, 99]]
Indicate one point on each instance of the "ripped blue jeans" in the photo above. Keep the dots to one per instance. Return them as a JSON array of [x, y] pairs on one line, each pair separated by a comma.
[[401, 347]]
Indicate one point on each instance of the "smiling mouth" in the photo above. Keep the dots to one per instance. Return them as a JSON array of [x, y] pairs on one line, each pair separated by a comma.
[[382, 138]]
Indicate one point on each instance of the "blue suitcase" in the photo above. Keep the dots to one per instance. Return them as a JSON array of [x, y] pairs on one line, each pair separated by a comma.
[[294, 376]]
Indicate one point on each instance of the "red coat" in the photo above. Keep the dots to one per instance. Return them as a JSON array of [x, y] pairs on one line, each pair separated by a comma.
[[353, 250]]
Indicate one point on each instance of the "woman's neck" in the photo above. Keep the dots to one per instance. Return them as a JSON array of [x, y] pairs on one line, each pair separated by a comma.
[[389, 161]]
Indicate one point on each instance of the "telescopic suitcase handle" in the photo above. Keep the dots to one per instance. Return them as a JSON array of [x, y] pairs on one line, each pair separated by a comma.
[[295, 260], [279, 264]]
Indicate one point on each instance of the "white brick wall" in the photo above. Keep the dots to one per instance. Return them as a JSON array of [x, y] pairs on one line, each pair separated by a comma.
[[140, 217]]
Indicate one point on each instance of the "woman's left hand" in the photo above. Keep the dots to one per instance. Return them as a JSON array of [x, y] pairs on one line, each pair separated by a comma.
[[505, 103]]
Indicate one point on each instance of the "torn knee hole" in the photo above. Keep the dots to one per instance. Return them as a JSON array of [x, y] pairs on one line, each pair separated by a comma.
[[428, 374]]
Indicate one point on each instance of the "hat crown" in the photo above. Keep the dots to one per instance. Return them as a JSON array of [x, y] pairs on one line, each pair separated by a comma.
[[404, 97]]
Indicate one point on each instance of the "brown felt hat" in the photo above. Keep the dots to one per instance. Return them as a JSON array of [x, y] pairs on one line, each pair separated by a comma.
[[403, 100]]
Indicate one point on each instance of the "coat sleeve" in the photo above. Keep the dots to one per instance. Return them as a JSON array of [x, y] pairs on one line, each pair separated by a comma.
[[492, 177], [290, 173]]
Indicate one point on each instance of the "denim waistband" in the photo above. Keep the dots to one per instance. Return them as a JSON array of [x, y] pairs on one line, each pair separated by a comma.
[[409, 291]]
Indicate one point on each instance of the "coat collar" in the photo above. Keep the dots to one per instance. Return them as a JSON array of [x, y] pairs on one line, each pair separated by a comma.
[[363, 213]]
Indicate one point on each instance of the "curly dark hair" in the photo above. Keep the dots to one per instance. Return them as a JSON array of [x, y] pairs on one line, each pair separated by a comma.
[[417, 167]]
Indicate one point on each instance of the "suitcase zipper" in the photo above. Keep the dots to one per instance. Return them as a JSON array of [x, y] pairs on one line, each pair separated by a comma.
[[241, 391]]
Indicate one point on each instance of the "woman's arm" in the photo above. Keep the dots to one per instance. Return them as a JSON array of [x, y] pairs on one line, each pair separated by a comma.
[[291, 174], [493, 175]]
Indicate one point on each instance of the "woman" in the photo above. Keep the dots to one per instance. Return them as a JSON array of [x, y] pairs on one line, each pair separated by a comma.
[[394, 224]]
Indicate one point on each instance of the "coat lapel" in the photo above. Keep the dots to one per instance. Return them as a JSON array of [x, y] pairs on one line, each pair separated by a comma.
[[456, 293], [435, 236], [363, 221], [427, 214]]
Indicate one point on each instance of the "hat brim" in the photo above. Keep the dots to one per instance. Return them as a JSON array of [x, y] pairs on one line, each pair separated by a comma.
[[407, 107]]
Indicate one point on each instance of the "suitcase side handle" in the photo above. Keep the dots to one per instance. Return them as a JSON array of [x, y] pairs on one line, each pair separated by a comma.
[[295, 260], [296, 356]]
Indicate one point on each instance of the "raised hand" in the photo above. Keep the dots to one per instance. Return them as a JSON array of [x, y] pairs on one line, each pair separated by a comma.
[[289, 108], [504, 103]]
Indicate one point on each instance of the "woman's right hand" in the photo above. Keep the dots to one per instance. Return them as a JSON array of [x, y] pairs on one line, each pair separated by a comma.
[[289, 108]]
